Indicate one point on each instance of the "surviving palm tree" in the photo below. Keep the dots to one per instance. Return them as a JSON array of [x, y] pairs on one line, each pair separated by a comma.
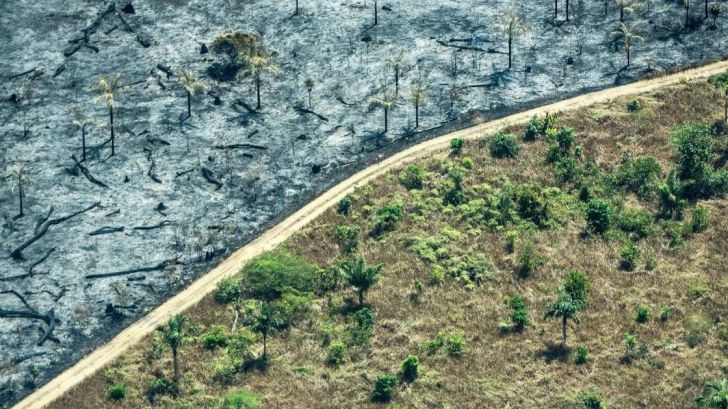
[[265, 319], [625, 6], [511, 26], [191, 85], [174, 334], [628, 35], [419, 96], [566, 308], [721, 83], [716, 395], [686, 5], [309, 84], [397, 63], [20, 178], [82, 124], [107, 91], [360, 276], [257, 62], [386, 102]]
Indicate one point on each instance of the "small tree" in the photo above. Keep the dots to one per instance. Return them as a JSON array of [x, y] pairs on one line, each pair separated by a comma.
[[309, 84], [565, 308], [398, 64], [264, 318], [512, 26], [360, 276], [386, 102], [258, 62], [174, 335], [19, 179], [191, 85], [410, 368], [107, 91], [721, 84], [628, 35], [419, 96], [716, 395]]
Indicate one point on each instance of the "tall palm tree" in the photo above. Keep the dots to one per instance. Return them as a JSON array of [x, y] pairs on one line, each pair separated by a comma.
[[191, 85], [566, 308], [625, 6], [360, 276], [107, 91], [629, 36], [397, 63], [264, 318], [386, 102], [20, 177], [258, 62], [716, 395], [419, 96], [511, 26], [174, 335]]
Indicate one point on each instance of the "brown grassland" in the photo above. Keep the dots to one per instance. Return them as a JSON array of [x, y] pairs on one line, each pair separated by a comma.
[[528, 369]]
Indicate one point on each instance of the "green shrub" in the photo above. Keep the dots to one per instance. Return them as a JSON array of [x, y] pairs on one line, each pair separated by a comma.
[[697, 289], [504, 145], [347, 236], [241, 400], [532, 129], [386, 217], [511, 238], [581, 356], [642, 314], [633, 349], [437, 275], [361, 329], [118, 391], [456, 145], [567, 170], [576, 285], [548, 123], [533, 205], [670, 197], [565, 139], [412, 177], [467, 163], [640, 176], [635, 221], [158, 386], [344, 206], [336, 353], [591, 400], [225, 368], [384, 388], [629, 254], [598, 216], [665, 313], [271, 274], [700, 219], [296, 305], [410, 368], [228, 290], [216, 337], [455, 345], [529, 260], [634, 105], [694, 145], [519, 315]]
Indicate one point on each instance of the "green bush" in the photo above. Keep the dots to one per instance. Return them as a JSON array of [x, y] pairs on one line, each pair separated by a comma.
[[694, 145], [336, 353], [529, 260], [228, 290], [158, 386], [565, 139], [635, 221], [580, 355], [519, 315], [437, 275], [642, 314], [640, 176], [504, 145], [533, 205], [344, 206], [361, 329], [700, 219], [241, 400], [532, 129], [271, 274], [384, 388], [511, 238], [410, 368], [598, 216], [591, 400], [456, 145], [412, 177], [665, 313], [548, 123], [670, 197], [634, 105], [567, 170], [576, 285], [455, 345], [118, 391], [386, 217], [629, 254], [296, 305], [216, 337], [347, 236], [225, 368]]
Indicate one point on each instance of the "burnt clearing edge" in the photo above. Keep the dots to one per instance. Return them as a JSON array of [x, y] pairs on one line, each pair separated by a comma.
[[271, 238]]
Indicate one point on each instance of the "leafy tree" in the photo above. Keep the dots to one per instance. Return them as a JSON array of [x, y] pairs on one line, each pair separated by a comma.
[[628, 35], [20, 178], [625, 6], [191, 84], [576, 285], [266, 319], [398, 64], [386, 102], [670, 195], [107, 91], [565, 308], [512, 26], [598, 216], [174, 334], [694, 145], [360, 276], [721, 83], [410, 368], [419, 96], [384, 388], [258, 63], [716, 395], [504, 145]]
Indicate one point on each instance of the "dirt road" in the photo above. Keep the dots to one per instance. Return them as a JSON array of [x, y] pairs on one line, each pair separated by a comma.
[[276, 235]]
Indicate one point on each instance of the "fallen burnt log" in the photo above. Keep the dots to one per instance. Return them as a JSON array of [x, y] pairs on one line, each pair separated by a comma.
[[157, 267], [50, 319], [210, 177], [155, 226], [240, 146], [106, 230], [87, 174], [17, 254], [302, 110]]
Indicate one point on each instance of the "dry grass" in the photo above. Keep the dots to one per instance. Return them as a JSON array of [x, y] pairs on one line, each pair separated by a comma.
[[519, 370]]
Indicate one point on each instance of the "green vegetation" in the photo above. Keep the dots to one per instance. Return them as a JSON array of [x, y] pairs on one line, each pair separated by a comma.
[[384, 388]]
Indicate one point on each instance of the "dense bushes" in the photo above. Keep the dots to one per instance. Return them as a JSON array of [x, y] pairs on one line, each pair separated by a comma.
[[640, 176], [216, 337], [518, 319], [228, 290], [272, 274], [694, 145], [412, 177], [118, 391], [241, 400], [598, 216], [452, 342], [386, 217], [410, 368], [636, 222], [336, 353], [384, 388], [504, 145]]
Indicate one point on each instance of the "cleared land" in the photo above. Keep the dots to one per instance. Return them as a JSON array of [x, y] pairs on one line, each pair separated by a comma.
[[526, 369]]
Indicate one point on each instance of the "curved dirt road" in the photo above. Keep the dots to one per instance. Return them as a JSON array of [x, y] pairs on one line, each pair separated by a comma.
[[191, 295]]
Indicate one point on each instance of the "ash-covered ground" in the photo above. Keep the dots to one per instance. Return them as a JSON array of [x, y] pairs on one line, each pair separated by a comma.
[[118, 235]]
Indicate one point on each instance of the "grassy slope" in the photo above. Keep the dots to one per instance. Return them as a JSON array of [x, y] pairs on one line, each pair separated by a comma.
[[513, 370]]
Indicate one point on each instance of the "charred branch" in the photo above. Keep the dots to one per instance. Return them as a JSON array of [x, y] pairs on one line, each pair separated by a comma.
[[157, 267]]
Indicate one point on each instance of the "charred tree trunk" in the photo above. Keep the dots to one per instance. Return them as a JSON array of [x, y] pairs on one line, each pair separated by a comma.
[[417, 113], [386, 120], [396, 80], [510, 51], [621, 13], [556, 9], [706, 8], [20, 197], [376, 14], [257, 91], [189, 104], [83, 142], [296, 13], [687, 15], [567, 10], [111, 126]]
